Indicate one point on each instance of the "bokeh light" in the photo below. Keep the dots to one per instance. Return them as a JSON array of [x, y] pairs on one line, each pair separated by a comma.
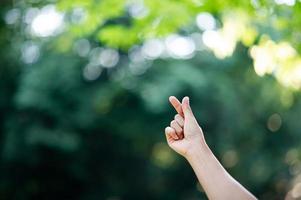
[[180, 47], [205, 21], [280, 59], [47, 22], [162, 155], [30, 52], [274, 122], [153, 48], [286, 2], [12, 16], [230, 158], [92, 72], [82, 47], [137, 9]]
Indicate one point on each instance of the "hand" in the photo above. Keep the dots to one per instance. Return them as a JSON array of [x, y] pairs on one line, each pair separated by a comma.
[[184, 133]]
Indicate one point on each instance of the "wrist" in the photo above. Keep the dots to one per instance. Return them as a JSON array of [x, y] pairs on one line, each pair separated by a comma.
[[200, 148]]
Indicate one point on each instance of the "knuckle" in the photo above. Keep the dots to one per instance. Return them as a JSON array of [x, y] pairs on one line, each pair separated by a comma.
[[180, 130], [179, 117], [180, 120]]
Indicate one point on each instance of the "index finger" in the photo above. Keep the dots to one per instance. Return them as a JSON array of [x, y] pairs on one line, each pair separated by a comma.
[[176, 104]]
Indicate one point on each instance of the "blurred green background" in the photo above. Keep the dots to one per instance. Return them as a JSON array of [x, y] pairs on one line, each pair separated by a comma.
[[84, 87]]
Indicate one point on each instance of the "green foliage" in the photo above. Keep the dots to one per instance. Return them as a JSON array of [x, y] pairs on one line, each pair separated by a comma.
[[115, 35]]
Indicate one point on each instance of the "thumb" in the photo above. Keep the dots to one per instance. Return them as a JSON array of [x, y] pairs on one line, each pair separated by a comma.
[[186, 108]]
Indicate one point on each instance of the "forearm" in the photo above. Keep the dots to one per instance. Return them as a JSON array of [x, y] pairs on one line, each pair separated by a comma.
[[216, 181]]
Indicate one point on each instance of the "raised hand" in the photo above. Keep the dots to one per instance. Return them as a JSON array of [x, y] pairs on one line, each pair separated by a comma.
[[185, 136], [184, 133]]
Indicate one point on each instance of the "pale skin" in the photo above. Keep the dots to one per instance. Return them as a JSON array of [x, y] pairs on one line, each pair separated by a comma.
[[185, 136]]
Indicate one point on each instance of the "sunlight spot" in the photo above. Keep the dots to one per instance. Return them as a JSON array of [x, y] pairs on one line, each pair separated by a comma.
[[274, 122], [137, 9], [105, 57], [109, 58], [291, 156], [230, 158], [12, 16], [94, 56], [48, 22], [180, 46], [153, 48], [78, 15], [139, 64], [135, 55], [82, 47], [30, 14], [292, 76], [285, 50], [221, 45], [236, 27], [286, 2], [211, 38], [92, 72], [30, 52], [263, 62], [205, 21], [279, 59], [162, 156]]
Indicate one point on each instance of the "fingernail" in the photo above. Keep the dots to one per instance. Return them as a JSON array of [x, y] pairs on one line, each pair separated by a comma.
[[186, 97]]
